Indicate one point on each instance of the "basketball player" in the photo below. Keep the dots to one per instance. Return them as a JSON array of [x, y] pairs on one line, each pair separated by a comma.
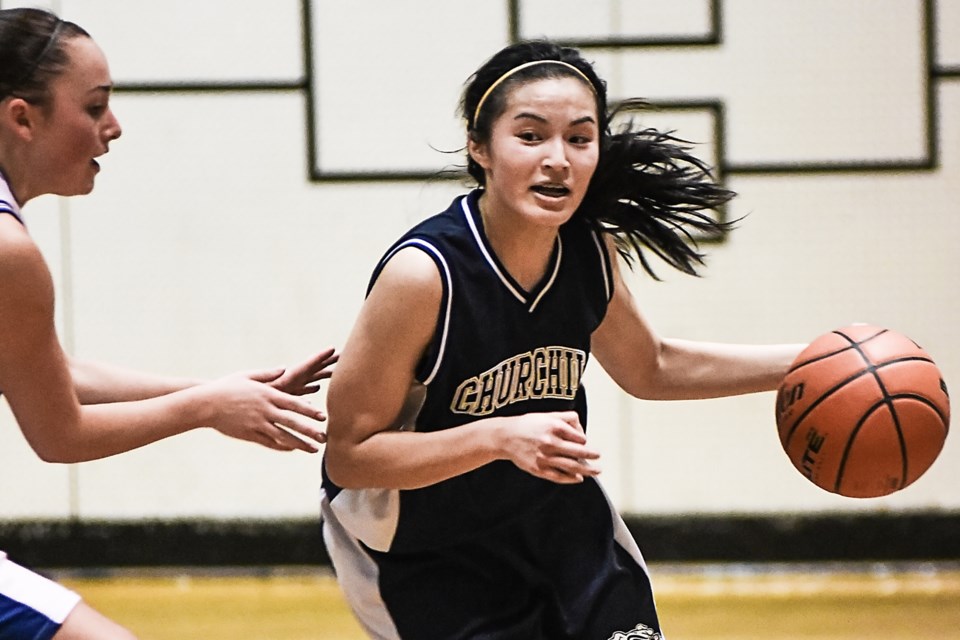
[[460, 491], [55, 119]]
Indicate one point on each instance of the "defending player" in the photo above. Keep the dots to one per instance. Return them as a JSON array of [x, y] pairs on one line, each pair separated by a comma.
[[55, 119], [460, 492]]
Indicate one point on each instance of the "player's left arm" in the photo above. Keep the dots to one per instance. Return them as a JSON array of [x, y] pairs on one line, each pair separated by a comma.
[[98, 382], [651, 367]]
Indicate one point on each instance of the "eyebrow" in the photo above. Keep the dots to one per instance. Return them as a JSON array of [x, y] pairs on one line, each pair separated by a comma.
[[533, 116], [108, 88]]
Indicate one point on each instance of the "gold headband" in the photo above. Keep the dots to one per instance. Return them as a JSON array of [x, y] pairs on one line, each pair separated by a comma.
[[501, 79]]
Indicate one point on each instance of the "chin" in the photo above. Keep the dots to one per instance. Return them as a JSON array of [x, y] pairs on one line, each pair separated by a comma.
[[75, 191], [553, 217], [85, 188]]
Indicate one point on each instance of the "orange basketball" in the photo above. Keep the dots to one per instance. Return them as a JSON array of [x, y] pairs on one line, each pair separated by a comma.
[[863, 411]]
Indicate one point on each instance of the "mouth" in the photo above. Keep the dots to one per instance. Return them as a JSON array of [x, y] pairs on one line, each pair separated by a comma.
[[551, 190], [93, 160]]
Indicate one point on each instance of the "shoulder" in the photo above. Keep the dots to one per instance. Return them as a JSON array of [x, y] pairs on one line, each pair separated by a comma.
[[24, 275], [19, 254], [422, 256], [411, 267]]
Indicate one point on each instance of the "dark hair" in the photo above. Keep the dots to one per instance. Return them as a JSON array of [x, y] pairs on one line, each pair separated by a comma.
[[31, 52], [648, 191]]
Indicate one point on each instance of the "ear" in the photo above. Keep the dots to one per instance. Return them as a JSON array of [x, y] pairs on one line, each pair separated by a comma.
[[479, 151], [19, 117]]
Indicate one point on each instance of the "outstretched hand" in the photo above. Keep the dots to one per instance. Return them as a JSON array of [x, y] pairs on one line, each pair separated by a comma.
[[304, 378], [551, 446], [247, 406]]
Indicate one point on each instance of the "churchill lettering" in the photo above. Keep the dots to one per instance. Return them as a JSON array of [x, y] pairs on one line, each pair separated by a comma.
[[546, 372]]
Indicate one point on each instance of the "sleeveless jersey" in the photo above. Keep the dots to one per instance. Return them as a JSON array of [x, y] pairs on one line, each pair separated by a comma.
[[8, 204], [497, 350]]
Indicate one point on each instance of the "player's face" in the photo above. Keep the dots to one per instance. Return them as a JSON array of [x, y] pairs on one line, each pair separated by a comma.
[[77, 125], [542, 151]]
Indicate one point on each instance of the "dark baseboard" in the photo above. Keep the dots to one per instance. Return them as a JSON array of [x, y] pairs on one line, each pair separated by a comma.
[[884, 537]]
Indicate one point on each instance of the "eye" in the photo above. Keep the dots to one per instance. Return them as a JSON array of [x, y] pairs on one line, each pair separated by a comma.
[[581, 139], [97, 110], [528, 136]]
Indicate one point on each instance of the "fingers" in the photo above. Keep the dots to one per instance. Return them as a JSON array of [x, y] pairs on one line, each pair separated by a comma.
[[571, 470], [563, 477], [273, 437], [572, 419], [565, 470], [562, 455], [569, 439], [326, 357], [289, 441], [291, 417], [319, 365], [567, 462], [266, 441], [284, 400], [266, 376]]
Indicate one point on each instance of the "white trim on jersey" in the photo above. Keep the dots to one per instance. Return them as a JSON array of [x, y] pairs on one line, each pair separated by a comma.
[[36, 592], [8, 204], [519, 295], [553, 276], [483, 249], [423, 244], [603, 262]]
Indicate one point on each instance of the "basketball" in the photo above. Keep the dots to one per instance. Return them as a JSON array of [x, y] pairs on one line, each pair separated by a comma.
[[863, 411]]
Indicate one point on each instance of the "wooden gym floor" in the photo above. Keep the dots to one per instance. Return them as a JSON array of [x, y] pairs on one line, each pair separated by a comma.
[[697, 602]]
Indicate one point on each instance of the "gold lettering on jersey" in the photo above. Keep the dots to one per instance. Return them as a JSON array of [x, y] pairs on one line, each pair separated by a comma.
[[546, 372]]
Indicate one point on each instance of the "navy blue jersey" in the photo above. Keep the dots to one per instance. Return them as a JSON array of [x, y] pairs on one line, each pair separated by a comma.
[[496, 552], [498, 350]]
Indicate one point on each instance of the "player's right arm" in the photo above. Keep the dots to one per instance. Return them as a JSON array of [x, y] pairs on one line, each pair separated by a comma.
[[374, 376], [36, 380]]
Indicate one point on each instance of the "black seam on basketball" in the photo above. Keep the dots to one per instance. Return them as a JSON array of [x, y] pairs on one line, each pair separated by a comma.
[[816, 403], [906, 359], [911, 367], [873, 368], [854, 342], [853, 345], [824, 356], [853, 435], [928, 403]]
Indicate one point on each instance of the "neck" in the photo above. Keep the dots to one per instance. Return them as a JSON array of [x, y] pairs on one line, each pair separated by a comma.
[[15, 180], [524, 249]]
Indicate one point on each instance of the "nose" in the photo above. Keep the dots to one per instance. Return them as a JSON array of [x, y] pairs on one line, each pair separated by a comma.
[[112, 129], [555, 155]]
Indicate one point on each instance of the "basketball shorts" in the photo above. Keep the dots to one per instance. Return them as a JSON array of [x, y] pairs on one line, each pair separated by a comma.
[[569, 570], [31, 606]]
